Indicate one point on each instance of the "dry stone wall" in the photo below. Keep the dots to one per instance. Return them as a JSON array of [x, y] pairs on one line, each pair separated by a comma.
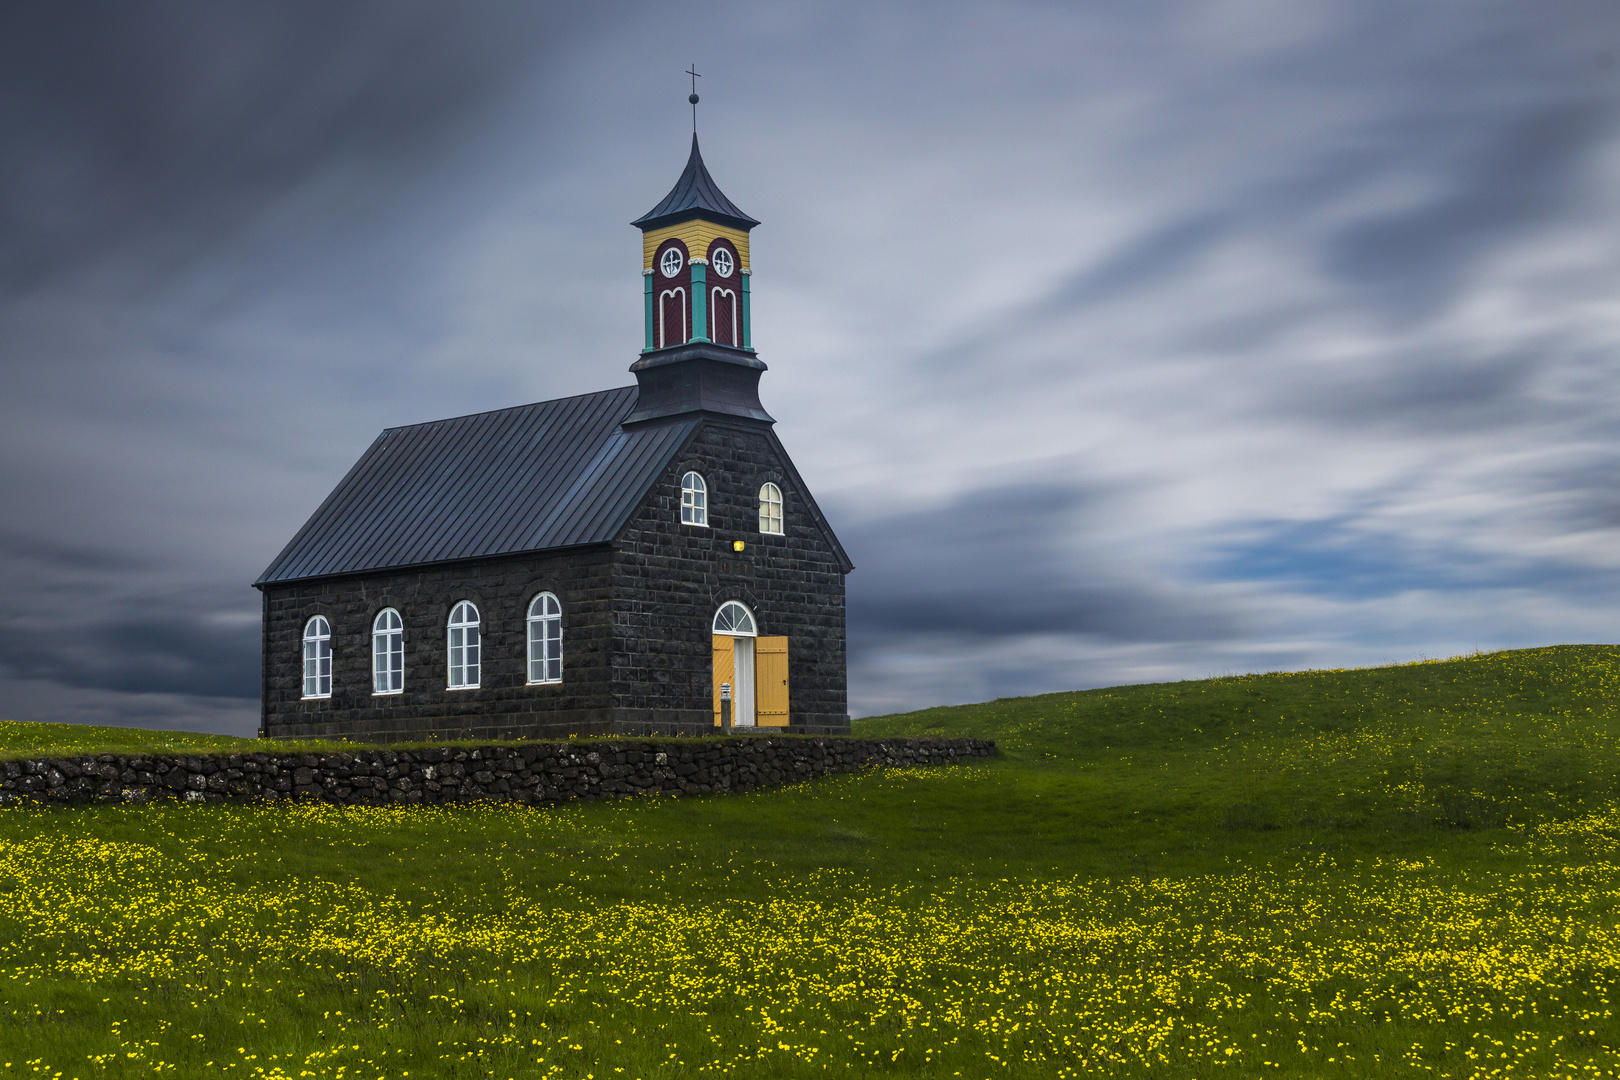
[[524, 773]]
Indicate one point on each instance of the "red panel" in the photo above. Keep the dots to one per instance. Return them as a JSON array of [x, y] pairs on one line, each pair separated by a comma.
[[725, 297], [673, 295], [724, 315]]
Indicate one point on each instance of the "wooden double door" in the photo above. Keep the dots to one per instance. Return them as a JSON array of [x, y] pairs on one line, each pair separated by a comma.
[[757, 669]]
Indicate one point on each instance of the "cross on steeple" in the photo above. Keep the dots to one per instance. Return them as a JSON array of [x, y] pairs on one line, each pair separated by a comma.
[[692, 71]]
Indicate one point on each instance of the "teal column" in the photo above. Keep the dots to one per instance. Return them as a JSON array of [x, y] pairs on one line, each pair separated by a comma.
[[700, 301], [647, 293], [748, 328]]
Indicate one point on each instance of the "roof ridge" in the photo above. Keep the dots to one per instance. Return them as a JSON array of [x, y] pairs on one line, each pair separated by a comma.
[[509, 408]]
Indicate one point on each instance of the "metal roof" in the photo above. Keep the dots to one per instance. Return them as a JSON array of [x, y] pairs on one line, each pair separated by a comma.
[[695, 194], [550, 475]]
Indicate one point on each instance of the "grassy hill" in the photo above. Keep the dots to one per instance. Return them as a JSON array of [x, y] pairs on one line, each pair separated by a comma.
[[1395, 871]]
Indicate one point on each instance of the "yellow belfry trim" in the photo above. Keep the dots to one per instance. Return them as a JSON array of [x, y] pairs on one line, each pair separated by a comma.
[[697, 235]]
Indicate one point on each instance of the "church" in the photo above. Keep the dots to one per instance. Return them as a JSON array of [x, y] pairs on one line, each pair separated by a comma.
[[592, 565]]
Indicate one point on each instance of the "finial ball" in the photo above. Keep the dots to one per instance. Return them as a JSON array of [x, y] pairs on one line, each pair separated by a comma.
[[693, 99]]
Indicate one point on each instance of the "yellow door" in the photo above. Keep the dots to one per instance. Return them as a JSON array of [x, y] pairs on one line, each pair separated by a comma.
[[771, 681], [722, 670]]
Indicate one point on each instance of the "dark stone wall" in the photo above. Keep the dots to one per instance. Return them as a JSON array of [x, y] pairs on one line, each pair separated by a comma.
[[525, 773], [671, 578], [637, 619], [503, 707]]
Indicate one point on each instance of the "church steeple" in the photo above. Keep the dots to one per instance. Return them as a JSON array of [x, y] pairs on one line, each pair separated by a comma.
[[695, 262], [698, 356]]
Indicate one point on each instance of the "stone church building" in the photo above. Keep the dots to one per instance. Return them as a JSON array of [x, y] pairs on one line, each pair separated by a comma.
[[591, 565]]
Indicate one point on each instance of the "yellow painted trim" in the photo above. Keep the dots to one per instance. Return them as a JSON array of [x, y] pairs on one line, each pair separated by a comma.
[[697, 235]]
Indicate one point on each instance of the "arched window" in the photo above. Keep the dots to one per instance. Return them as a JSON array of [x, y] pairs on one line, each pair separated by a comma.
[[723, 317], [694, 500], [735, 620], [770, 509], [317, 658], [672, 317], [464, 647], [387, 653], [545, 639]]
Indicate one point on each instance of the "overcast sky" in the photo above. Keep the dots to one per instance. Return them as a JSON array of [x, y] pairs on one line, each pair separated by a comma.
[[1120, 342]]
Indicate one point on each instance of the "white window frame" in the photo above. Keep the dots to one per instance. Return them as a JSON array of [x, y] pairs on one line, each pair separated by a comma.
[[694, 500], [721, 259], [667, 268], [770, 509], [464, 645], [387, 653], [317, 658], [545, 631], [714, 301], [732, 627], [663, 338]]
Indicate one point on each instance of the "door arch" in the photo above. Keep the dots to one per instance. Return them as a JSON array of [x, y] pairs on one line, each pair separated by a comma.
[[734, 631]]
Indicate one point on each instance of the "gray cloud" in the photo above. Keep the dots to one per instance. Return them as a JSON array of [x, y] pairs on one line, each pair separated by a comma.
[[1524, 173], [169, 649], [173, 124], [1011, 562]]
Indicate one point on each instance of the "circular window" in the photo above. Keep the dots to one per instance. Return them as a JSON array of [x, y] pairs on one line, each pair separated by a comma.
[[720, 259], [671, 262]]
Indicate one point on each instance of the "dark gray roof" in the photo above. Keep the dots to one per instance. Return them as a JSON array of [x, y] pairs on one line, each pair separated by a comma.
[[549, 475], [695, 194]]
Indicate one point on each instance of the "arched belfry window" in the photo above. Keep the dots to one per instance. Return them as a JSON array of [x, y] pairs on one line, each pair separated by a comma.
[[770, 509], [545, 639], [387, 653], [464, 647], [694, 500], [318, 658], [672, 276], [725, 314], [735, 620]]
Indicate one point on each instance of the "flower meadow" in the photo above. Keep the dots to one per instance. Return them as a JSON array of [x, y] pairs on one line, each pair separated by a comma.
[[1286, 897]]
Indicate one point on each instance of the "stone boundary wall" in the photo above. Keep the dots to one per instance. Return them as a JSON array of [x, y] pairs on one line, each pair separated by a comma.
[[524, 773]]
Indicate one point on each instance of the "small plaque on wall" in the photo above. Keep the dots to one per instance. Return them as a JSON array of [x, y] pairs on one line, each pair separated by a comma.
[[735, 568]]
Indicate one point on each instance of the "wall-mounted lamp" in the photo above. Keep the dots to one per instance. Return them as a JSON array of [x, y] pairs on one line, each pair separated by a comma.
[[736, 545]]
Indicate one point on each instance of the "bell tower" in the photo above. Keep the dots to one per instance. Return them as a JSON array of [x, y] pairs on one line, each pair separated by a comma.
[[695, 267], [698, 356]]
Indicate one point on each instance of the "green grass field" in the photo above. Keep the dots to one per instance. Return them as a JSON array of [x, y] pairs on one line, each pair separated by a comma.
[[1399, 871]]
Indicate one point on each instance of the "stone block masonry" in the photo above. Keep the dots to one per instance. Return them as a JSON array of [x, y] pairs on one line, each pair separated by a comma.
[[528, 773]]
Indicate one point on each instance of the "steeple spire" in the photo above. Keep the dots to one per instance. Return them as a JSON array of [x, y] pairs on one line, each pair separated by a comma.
[[695, 195]]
